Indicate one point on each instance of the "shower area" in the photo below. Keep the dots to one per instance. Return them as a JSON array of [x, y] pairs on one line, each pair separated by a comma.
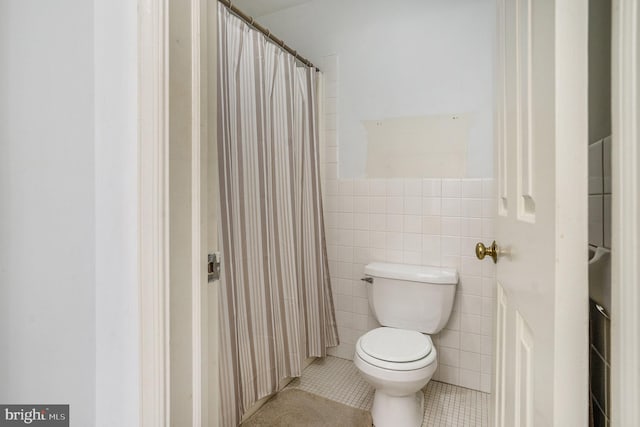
[[276, 305], [370, 142]]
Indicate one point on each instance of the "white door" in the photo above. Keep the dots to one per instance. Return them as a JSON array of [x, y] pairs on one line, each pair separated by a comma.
[[541, 348]]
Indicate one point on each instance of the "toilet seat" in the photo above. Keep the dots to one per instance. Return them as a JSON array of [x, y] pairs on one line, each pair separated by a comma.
[[396, 349]]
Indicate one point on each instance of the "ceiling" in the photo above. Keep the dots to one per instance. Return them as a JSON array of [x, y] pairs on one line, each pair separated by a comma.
[[256, 8]]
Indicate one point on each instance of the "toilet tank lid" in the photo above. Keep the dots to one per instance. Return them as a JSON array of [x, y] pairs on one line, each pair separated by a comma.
[[413, 273]]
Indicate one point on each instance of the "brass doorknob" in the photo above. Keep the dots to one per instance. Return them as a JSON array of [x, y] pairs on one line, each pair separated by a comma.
[[492, 251]]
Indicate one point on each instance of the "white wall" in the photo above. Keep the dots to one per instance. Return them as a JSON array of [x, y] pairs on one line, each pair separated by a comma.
[[68, 188], [117, 315], [47, 210], [400, 59]]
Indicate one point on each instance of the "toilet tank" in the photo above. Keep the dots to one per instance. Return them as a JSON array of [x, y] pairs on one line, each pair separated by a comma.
[[414, 297]]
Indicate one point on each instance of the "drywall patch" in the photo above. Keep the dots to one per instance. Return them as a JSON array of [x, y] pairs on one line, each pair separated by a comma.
[[418, 147]]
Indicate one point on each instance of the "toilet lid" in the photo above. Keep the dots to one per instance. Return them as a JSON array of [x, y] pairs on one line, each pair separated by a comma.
[[395, 345]]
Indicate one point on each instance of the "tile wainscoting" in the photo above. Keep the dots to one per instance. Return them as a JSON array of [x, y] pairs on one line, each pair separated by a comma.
[[426, 222]]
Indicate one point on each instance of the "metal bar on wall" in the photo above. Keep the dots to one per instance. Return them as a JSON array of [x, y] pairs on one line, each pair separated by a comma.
[[249, 20]]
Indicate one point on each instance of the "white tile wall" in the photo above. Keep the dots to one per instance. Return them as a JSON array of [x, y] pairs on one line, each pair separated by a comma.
[[395, 228], [429, 222], [600, 193]]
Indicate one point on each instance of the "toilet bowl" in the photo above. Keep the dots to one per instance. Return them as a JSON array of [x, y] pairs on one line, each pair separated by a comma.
[[399, 359], [398, 363]]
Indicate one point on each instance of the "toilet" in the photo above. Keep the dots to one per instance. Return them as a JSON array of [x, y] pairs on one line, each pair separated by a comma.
[[398, 359]]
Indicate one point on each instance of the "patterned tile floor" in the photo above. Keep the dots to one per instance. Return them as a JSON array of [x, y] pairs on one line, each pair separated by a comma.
[[445, 405]]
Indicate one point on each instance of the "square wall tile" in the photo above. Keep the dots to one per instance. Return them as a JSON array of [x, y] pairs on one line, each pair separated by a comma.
[[431, 250], [378, 205], [470, 361], [471, 342], [413, 187], [448, 374], [595, 168], [377, 187], [485, 383], [471, 305], [431, 206], [361, 239], [412, 224], [449, 338], [450, 245], [360, 221], [361, 204], [412, 205], [378, 222], [450, 207], [394, 241], [362, 254], [431, 225], [489, 208], [395, 222], [488, 188], [345, 203], [471, 285], [471, 323], [431, 188], [394, 256], [596, 220], [471, 227], [412, 242], [331, 154], [451, 188], [450, 226], [411, 258], [472, 188], [471, 208], [395, 187], [469, 379], [345, 253], [395, 205], [331, 187], [606, 165], [361, 187], [448, 356]]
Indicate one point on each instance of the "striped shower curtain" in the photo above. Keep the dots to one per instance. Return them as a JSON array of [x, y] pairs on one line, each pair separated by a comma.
[[276, 303]]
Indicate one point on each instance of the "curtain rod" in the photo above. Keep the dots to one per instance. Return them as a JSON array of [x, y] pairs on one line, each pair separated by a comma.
[[249, 20]]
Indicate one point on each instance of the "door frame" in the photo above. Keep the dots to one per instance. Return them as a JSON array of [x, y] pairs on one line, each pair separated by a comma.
[[153, 211], [154, 216], [625, 218]]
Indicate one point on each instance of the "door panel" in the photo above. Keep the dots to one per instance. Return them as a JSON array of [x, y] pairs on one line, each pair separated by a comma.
[[524, 110], [523, 373], [501, 331], [530, 230]]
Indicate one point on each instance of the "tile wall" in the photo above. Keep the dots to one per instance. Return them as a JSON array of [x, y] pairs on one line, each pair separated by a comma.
[[412, 221], [599, 323], [600, 193]]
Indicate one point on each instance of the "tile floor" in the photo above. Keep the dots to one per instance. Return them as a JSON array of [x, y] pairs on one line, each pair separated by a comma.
[[445, 405]]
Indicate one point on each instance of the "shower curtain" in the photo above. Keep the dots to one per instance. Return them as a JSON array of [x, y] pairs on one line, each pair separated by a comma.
[[276, 306]]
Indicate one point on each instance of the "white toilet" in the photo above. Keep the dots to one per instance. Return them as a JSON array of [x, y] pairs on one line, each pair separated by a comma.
[[399, 358]]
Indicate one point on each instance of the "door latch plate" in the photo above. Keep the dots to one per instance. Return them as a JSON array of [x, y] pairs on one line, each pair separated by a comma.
[[213, 266]]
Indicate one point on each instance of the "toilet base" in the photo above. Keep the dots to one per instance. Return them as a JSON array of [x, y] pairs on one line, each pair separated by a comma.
[[397, 411]]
